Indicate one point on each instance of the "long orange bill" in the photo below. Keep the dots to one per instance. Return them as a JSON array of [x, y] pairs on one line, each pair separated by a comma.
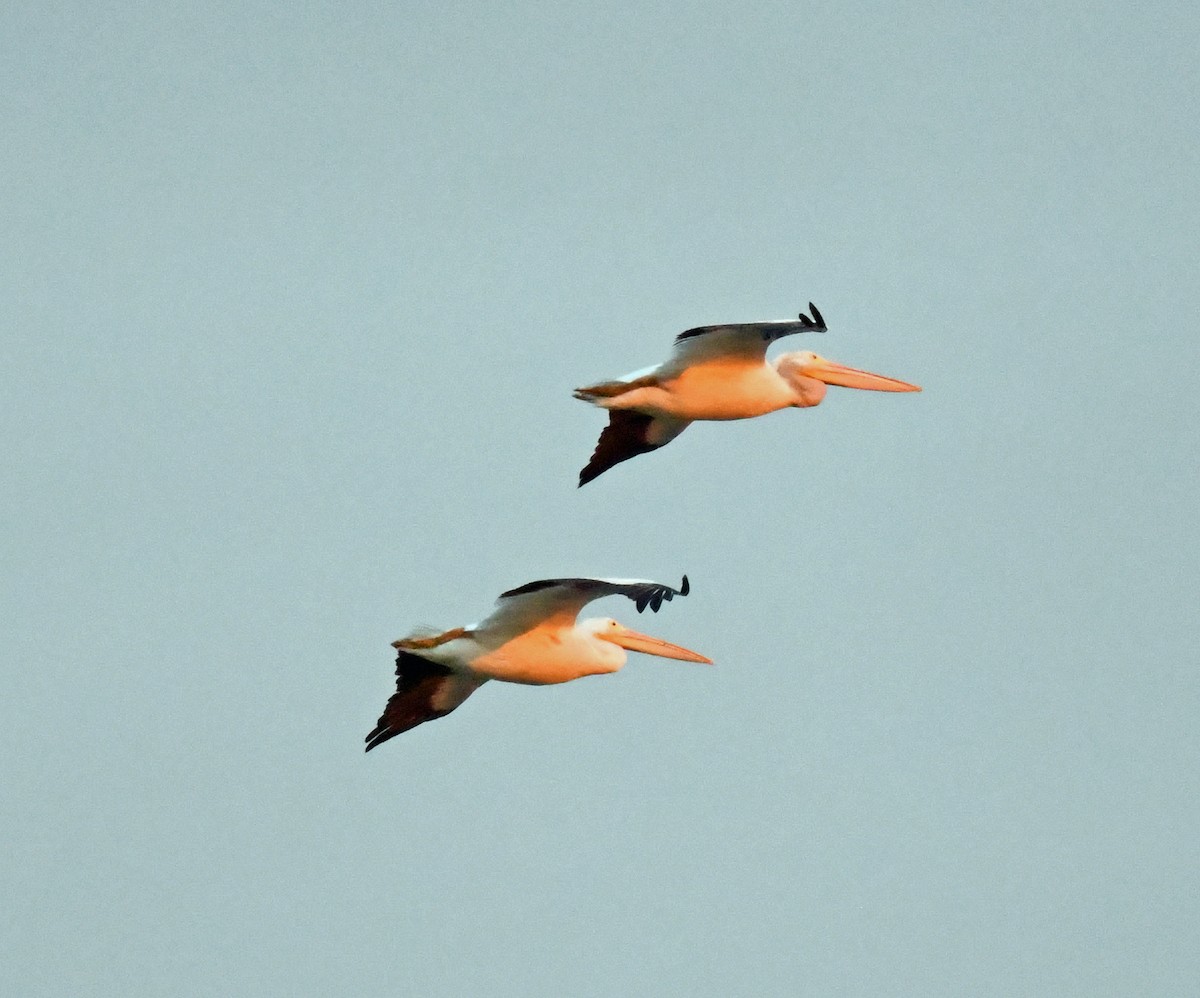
[[655, 646], [851, 377]]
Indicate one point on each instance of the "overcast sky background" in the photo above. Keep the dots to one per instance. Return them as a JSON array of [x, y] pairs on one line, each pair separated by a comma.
[[294, 301]]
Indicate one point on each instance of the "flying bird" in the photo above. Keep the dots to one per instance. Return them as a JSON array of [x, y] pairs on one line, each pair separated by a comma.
[[531, 637], [717, 373]]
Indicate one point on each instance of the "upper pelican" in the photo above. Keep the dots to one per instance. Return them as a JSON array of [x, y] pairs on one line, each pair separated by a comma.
[[716, 372], [531, 637]]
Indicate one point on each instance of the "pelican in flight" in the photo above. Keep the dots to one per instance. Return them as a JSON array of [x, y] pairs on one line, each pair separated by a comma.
[[716, 372], [531, 637]]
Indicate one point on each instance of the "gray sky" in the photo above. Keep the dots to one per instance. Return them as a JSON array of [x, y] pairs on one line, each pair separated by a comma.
[[294, 302]]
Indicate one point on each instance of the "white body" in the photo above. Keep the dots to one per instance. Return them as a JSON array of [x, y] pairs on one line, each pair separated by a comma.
[[717, 389], [542, 656]]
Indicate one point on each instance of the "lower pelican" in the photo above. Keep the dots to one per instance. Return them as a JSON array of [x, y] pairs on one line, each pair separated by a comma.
[[532, 638]]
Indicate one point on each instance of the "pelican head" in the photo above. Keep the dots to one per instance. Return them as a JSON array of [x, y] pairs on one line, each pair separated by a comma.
[[808, 374], [607, 629]]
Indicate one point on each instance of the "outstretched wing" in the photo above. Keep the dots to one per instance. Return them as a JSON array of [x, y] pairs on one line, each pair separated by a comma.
[[424, 691], [628, 434], [561, 600], [743, 342], [734, 343]]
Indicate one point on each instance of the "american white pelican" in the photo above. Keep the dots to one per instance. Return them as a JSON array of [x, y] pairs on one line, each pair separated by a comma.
[[531, 637], [716, 372]]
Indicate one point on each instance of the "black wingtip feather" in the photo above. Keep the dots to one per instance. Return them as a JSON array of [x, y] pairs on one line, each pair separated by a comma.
[[402, 712], [664, 594], [623, 438]]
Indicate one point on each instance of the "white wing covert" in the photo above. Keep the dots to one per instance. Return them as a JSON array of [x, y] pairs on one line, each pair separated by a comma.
[[743, 342], [535, 603]]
